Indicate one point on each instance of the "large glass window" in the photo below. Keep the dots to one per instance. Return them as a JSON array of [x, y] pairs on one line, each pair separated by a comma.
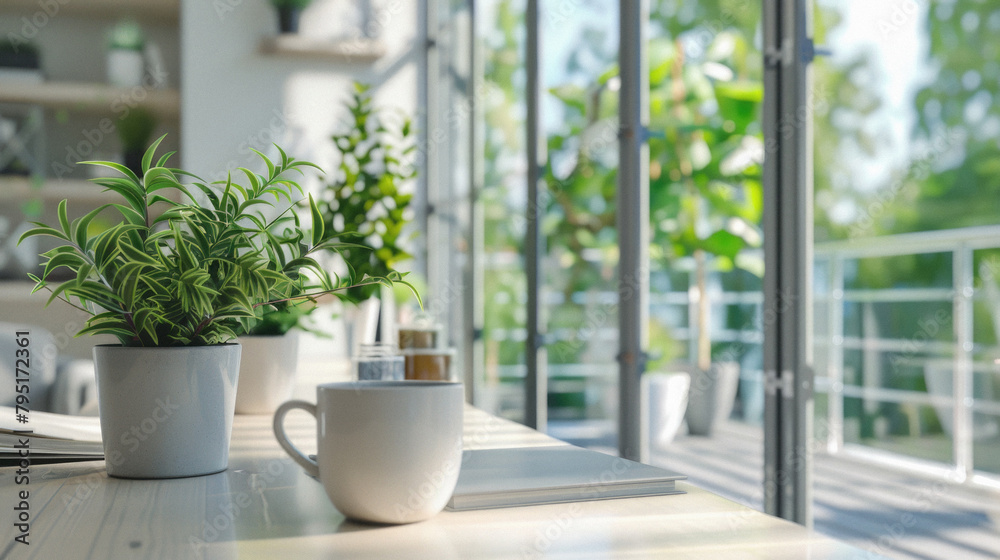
[[906, 143], [500, 380]]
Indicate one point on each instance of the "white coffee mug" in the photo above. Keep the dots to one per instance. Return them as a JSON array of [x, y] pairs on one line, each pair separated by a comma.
[[389, 451]]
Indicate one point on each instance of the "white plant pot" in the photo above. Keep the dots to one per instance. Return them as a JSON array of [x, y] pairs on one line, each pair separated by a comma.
[[125, 67], [166, 412], [668, 401], [711, 398], [267, 372]]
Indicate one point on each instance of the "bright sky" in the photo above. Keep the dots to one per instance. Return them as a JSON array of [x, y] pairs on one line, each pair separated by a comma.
[[891, 32]]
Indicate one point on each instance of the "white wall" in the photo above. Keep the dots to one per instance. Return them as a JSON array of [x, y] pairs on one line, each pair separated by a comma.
[[234, 98]]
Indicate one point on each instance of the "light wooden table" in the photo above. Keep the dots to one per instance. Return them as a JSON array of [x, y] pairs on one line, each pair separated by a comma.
[[264, 506]]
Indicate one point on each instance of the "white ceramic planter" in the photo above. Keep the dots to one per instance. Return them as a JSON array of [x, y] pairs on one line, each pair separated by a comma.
[[125, 67], [668, 400], [711, 397], [267, 372], [166, 412]]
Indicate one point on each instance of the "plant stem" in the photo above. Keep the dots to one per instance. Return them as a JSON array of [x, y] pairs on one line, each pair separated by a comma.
[[315, 295], [704, 340]]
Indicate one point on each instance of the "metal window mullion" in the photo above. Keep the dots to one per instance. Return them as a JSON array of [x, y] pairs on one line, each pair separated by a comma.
[[633, 227], [431, 173], [788, 262], [475, 303], [535, 382]]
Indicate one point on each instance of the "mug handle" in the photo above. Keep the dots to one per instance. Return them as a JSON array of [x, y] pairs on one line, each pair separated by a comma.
[[279, 432]]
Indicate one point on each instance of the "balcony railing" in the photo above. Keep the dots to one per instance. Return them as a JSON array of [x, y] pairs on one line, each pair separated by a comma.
[[943, 344], [960, 382]]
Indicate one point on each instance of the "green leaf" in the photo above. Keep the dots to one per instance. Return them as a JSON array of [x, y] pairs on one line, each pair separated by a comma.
[[148, 156], [64, 219], [267, 162], [254, 182], [117, 167], [71, 261], [724, 243], [135, 254], [164, 158], [42, 229], [317, 222], [129, 190], [81, 225]]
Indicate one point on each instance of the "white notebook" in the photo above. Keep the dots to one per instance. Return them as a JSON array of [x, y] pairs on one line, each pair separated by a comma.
[[52, 437], [493, 478]]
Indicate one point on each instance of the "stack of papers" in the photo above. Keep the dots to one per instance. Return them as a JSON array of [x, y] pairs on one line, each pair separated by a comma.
[[49, 437], [520, 476]]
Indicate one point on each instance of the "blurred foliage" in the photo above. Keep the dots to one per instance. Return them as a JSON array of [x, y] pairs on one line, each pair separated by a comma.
[[364, 198], [706, 153]]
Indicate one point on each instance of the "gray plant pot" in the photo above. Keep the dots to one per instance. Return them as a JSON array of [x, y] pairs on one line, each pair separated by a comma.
[[166, 412], [711, 397], [267, 372]]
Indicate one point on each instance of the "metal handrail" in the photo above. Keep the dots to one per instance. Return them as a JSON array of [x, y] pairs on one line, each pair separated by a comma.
[[961, 243]]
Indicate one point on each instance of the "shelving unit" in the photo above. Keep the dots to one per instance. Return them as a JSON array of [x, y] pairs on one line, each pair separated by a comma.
[[162, 10], [348, 51], [53, 190], [73, 113], [92, 97]]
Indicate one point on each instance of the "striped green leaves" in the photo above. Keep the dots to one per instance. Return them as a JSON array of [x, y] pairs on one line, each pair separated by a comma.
[[173, 271]]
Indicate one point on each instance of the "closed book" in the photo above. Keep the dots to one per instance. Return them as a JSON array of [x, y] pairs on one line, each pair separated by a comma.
[[520, 476]]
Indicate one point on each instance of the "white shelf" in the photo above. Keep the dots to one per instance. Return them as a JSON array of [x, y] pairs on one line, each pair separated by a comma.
[[159, 10], [347, 51], [54, 190], [91, 97]]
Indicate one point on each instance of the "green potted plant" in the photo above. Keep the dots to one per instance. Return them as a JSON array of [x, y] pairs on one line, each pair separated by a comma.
[[175, 289], [289, 12], [126, 65], [364, 198]]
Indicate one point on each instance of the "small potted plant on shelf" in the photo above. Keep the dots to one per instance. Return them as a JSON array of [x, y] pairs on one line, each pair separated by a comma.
[[364, 199], [175, 281], [289, 12], [126, 64]]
